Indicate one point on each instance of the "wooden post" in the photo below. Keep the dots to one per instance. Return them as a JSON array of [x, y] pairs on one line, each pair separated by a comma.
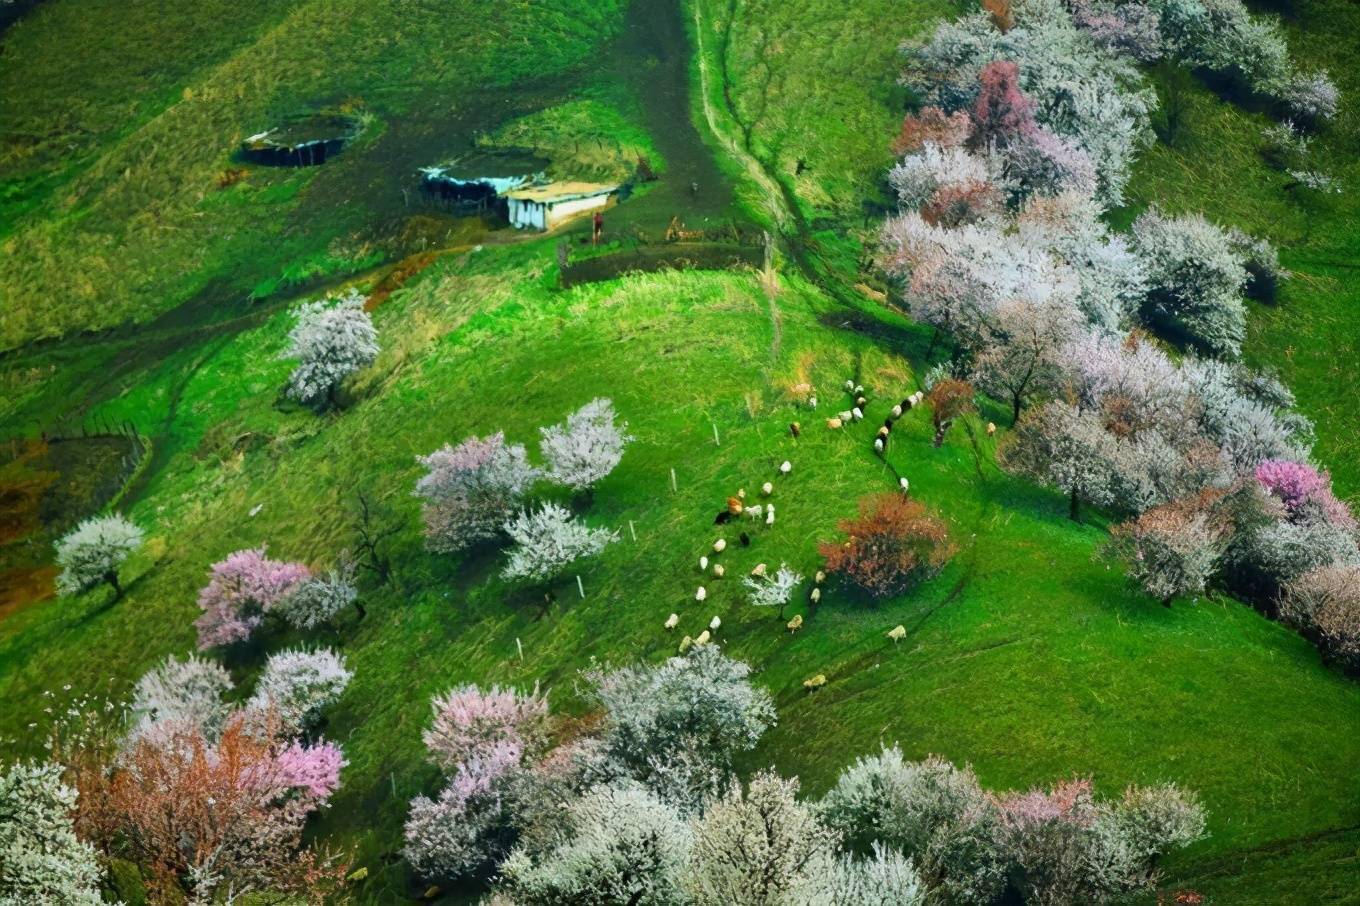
[[579, 587], [520, 649], [631, 530], [716, 442], [674, 489]]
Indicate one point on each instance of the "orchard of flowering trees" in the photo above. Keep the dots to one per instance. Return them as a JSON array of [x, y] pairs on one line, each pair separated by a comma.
[[647, 808], [1032, 117]]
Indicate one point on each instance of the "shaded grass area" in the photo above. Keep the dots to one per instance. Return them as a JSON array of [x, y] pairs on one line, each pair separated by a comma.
[[1026, 657]]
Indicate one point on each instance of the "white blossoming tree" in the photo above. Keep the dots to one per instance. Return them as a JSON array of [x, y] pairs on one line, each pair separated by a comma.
[[188, 694], [548, 540], [319, 598], [41, 859], [586, 447], [298, 684], [93, 552], [331, 342]]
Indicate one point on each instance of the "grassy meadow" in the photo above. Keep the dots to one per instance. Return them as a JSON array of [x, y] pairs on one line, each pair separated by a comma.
[[1028, 657]]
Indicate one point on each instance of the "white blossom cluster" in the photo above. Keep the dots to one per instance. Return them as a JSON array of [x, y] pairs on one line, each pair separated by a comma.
[[331, 340], [187, 693], [298, 684], [586, 447], [42, 862], [93, 552], [548, 540]]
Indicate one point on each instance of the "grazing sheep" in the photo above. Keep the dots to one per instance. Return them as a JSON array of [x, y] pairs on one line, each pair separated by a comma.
[[796, 623], [734, 505], [785, 467], [897, 411], [861, 402], [812, 402], [849, 386], [820, 577], [859, 390], [701, 594], [846, 416], [887, 427], [991, 428], [741, 493], [755, 511], [714, 623], [759, 570], [816, 596], [767, 489], [817, 682], [904, 485], [857, 413], [897, 633], [703, 638], [794, 429], [723, 517], [769, 514], [685, 644], [878, 445], [718, 570], [720, 545], [672, 621], [834, 423], [703, 564]]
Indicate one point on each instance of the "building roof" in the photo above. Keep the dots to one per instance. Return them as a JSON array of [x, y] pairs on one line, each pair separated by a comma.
[[554, 192]]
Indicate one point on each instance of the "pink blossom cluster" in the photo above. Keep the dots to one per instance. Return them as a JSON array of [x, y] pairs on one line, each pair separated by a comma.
[[471, 725], [1069, 801], [313, 770], [1298, 484], [241, 589]]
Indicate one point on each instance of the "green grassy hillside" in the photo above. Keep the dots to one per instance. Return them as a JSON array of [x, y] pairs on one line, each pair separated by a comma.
[[1027, 657]]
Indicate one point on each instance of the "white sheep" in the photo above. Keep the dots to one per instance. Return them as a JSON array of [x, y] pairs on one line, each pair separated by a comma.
[[796, 623], [703, 638], [672, 621], [812, 402], [685, 644], [769, 514], [897, 633], [820, 577], [991, 428], [904, 484], [703, 564], [759, 571], [767, 489], [878, 445], [859, 390], [714, 623], [720, 545], [718, 570], [741, 493], [846, 415], [815, 683], [857, 413], [816, 595], [755, 511], [834, 423], [849, 386], [785, 467], [701, 594], [897, 411]]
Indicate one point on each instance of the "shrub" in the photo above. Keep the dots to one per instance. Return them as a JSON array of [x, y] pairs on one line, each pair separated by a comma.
[[186, 693], [471, 489], [42, 861], [676, 726], [318, 599], [949, 400], [1194, 280], [1131, 29], [241, 589], [922, 175], [935, 814], [586, 447], [1173, 549], [1310, 98], [893, 544], [885, 878], [758, 847], [332, 341], [1325, 603], [772, 591], [933, 126], [93, 552], [548, 540], [1262, 263], [297, 685], [470, 723], [622, 846]]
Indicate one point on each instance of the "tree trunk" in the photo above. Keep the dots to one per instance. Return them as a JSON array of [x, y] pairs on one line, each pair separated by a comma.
[[1072, 511], [360, 608], [112, 578], [1016, 403]]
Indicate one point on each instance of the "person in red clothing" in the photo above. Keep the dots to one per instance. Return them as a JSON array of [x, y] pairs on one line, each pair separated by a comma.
[[598, 230]]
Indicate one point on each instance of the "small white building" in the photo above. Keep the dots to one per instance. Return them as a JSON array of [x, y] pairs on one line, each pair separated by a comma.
[[545, 207]]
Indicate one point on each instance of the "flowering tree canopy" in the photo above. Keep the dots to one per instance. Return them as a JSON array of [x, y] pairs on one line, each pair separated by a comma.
[[586, 448], [240, 590], [93, 552], [548, 540], [297, 684], [471, 489], [332, 341], [772, 591], [470, 723], [41, 859], [893, 544], [187, 693], [318, 598]]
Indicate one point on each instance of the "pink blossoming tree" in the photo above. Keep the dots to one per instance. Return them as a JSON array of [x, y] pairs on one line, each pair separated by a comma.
[[241, 589]]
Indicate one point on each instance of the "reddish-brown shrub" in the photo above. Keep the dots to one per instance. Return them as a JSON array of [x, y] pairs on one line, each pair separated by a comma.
[[949, 399], [955, 205], [893, 544], [931, 124], [1001, 14]]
